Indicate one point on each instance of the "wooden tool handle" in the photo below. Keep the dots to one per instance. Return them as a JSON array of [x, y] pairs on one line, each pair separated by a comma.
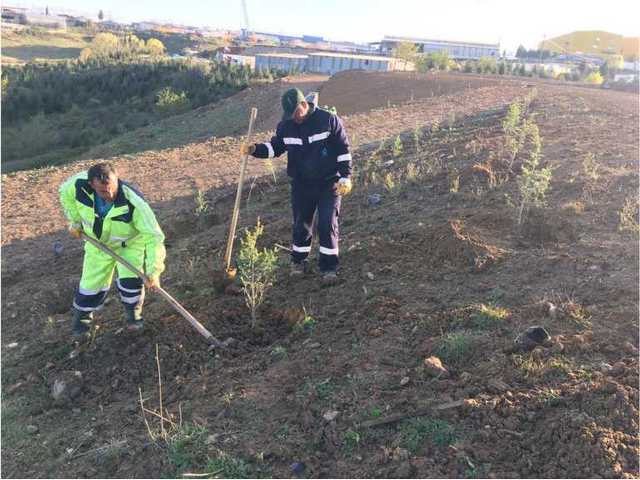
[[174, 303], [236, 207]]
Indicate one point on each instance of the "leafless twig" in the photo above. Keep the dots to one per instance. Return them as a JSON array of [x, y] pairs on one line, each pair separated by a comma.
[[162, 430]]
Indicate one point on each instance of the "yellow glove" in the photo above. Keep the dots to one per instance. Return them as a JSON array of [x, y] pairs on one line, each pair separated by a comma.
[[75, 232], [246, 149], [153, 282], [344, 186]]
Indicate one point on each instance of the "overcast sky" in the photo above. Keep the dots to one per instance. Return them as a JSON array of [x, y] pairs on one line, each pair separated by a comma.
[[509, 22]]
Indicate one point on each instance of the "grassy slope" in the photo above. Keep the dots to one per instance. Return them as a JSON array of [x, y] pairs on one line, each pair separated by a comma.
[[226, 118], [23, 46]]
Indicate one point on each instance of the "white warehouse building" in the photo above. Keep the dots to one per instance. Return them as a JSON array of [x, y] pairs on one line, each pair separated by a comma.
[[455, 49], [330, 63], [287, 62]]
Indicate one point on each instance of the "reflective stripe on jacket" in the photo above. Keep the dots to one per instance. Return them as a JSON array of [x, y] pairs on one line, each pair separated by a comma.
[[318, 148]]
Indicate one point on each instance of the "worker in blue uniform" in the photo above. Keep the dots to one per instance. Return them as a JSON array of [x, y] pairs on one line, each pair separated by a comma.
[[319, 165]]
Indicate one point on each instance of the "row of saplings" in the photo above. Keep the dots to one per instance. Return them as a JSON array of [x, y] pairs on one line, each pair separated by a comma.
[[257, 268], [522, 147]]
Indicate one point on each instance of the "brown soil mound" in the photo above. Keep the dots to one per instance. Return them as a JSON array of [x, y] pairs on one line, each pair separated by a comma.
[[548, 227], [347, 92], [450, 244]]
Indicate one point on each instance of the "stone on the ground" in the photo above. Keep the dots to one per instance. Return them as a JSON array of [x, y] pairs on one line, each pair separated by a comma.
[[433, 367], [497, 386], [330, 415], [532, 337], [374, 199], [66, 386]]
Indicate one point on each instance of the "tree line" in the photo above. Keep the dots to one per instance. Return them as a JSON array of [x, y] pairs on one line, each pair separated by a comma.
[[59, 110], [440, 60], [56, 88]]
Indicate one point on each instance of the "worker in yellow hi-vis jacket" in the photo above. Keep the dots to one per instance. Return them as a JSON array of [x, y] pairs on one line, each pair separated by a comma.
[[108, 209]]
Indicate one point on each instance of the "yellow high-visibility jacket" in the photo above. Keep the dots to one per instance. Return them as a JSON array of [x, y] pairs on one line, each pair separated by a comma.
[[129, 222]]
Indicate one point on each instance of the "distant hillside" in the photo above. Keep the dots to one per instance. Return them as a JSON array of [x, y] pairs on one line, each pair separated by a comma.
[[175, 43], [229, 117], [594, 42], [54, 113], [226, 118], [30, 44]]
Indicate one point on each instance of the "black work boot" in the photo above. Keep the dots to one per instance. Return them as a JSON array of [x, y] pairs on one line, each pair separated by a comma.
[[297, 269], [135, 322], [330, 277], [81, 323]]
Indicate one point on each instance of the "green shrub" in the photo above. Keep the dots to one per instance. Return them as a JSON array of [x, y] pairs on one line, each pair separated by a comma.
[[434, 60], [534, 181], [487, 65], [257, 269], [397, 147], [591, 167], [628, 216], [414, 433], [155, 46], [171, 102], [594, 78], [512, 130], [455, 348], [351, 440], [202, 204], [489, 316], [187, 449]]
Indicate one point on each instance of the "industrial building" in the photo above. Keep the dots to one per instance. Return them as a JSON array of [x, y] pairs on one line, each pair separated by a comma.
[[330, 63], [287, 62], [455, 49]]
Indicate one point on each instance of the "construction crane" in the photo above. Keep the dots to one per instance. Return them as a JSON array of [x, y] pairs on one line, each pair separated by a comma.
[[246, 32]]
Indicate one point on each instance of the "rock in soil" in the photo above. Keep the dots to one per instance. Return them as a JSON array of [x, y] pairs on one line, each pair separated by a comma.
[[400, 454], [629, 347], [618, 369], [374, 199], [405, 470], [497, 386], [330, 415], [298, 468], [532, 337], [66, 386], [433, 366]]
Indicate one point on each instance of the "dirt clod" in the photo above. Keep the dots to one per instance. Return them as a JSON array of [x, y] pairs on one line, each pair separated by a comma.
[[434, 368], [66, 387], [497, 386]]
